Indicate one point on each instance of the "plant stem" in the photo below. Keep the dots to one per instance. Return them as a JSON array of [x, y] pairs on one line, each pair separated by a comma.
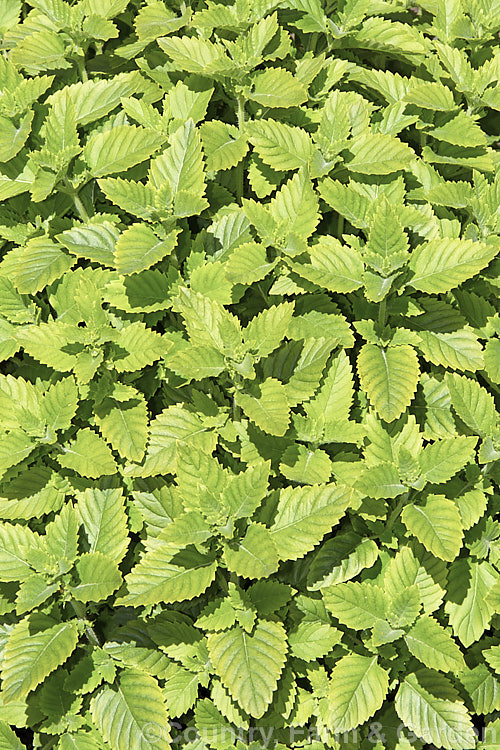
[[382, 313], [82, 70], [241, 112], [396, 511], [82, 211], [77, 201], [79, 611], [340, 227]]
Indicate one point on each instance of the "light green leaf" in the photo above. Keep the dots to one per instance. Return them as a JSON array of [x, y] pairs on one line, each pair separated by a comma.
[[124, 425], [473, 404], [441, 265], [126, 716], [379, 154], [249, 665], [88, 455], [266, 330], [340, 559], [387, 246], [8, 738], [15, 544], [97, 577], [268, 408], [336, 267], [358, 686], [92, 241], [138, 248], [181, 167], [254, 556], [313, 640], [305, 515], [440, 721], [459, 350], [357, 605], [42, 262], [437, 525], [468, 607], [31, 655], [380, 481], [389, 377], [163, 576], [441, 460], [281, 146], [433, 646], [59, 404], [223, 145], [120, 148], [102, 513], [276, 87]]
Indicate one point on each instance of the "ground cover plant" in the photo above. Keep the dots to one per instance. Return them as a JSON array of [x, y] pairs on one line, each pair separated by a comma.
[[250, 358]]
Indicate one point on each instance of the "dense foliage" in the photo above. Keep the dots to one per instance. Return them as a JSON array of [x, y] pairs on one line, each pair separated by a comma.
[[250, 356]]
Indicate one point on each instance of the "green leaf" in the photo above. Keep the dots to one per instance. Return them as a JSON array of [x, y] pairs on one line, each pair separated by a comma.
[[281, 146], [268, 408], [441, 460], [138, 248], [357, 605], [163, 576], [31, 654], [459, 350], [379, 154], [223, 145], [304, 515], [88, 455], [8, 738], [133, 715], [358, 686], [312, 640], [181, 167], [265, 331], [125, 426], [380, 481], [120, 148], [41, 263], [441, 265], [431, 95], [254, 556], [15, 543], [433, 646], [276, 87], [59, 404], [102, 513], [389, 377], [97, 577], [492, 656], [133, 197], [473, 404], [387, 246], [92, 241], [437, 720], [332, 266], [468, 608], [249, 665], [341, 559], [437, 525]]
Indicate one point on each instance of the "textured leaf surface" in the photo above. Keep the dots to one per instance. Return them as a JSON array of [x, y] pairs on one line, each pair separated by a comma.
[[389, 377], [249, 665], [31, 655], [358, 686], [131, 713], [437, 525]]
